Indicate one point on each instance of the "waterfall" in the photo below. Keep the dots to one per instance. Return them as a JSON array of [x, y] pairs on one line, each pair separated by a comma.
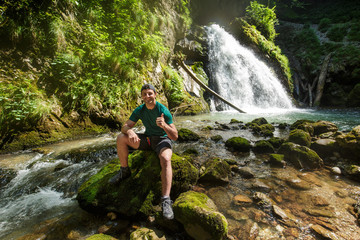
[[239, 76]]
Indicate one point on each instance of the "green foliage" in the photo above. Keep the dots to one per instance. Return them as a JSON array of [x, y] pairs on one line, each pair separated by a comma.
[[267, 47], [173, 86], [337, 32], [21, 105], [354, 33], [263, 18], [324, 24], [309, 48]]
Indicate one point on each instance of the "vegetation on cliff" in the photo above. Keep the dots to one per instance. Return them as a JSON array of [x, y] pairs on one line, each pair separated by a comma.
[[84, 57]]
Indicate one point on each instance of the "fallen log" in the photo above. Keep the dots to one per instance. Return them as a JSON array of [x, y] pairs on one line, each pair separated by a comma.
[[198, 81]]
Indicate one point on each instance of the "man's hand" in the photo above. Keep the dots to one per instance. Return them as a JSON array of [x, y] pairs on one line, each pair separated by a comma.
[[160, 121], [133, 137]]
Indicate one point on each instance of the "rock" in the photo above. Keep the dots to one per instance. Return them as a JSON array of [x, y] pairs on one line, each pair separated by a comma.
[[221, 197], [260, 121], [285, 218], [216, 138], [216, 172], [354, 97], [138, 193], [249, 231], [6, 175], [262, 199], [263, 146], [298, 184], [316, 212], [101, 237], [300, 137], [144, 233], [276, 141], [353, 171], [277, 160], [336, 170], [349, 144], [260, 186], [185, 135], [241, 199], [246, 172], [321, 127], [235, 121], [300, 156], [237, 215], [238, 144], [201, 220], [324, 232], [265, 130], [325, 148], [303, 125]]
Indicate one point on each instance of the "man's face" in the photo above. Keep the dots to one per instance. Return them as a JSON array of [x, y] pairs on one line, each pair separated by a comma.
[[148, 96]]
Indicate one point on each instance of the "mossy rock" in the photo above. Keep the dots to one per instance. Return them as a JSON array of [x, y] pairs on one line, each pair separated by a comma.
[[300, 137], [265, 130], [303, 124], [353, 171], [349, 144], [300, 156], [138, 193], [216, 172], [235, 121], [325, 147], [147, 233], [238, 144], [321, 127], [101, 237], [217, 138], [186, 135], [276, 141], [354, 97], [260, 121], [199, 215], [263, 146], [277, 160]]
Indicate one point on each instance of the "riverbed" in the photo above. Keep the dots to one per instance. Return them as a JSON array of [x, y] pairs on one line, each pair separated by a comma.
[[37, 198]]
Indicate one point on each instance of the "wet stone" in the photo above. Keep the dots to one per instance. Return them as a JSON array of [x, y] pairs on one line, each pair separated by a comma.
[[242, 199], [329, 213], [298, 184], [258, 185], [324, 232], [319, 201], [239, 216], [246, 172]]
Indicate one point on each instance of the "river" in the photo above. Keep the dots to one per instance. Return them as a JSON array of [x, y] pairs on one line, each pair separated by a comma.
[[39, 197]]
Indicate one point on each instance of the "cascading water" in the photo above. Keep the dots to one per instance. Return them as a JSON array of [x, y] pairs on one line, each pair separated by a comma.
[[240, 77]]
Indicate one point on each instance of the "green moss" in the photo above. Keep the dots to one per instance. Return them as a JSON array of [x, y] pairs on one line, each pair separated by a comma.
[[101, 237], [187, 135], [263, 146], [238, 144], [300, 137], [199, 216], [216, 171], [277, 160], [276, 141], [252, 35], [216, 138], [337, 32]]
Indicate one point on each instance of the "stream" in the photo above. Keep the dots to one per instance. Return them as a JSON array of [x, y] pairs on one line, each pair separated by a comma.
[[38, 186]]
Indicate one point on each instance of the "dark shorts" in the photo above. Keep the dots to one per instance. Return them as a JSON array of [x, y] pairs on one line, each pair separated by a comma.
[[155, 143]]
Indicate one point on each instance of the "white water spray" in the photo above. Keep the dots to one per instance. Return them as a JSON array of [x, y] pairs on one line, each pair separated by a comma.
[[241, 78]]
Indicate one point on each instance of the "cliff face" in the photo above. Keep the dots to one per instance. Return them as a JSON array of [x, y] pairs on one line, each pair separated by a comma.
[[80, 64]]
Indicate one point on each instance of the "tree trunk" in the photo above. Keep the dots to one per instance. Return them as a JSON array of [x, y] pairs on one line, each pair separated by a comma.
[[321, 81], [183, 65]]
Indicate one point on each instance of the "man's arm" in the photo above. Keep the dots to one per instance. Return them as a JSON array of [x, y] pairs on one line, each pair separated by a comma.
[[170, 129], [127, 130]]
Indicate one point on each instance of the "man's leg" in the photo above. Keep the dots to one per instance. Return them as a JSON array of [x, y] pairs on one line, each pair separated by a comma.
[[166, 180], [122, 144], [166, 170]]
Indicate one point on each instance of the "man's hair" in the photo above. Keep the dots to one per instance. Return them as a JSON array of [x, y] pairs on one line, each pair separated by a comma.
[[148, 86]]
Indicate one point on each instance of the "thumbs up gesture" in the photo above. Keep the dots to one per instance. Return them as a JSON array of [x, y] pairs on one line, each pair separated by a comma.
[[160, 121]]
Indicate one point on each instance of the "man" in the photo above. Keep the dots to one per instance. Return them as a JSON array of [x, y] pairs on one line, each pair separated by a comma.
[[159, 129]]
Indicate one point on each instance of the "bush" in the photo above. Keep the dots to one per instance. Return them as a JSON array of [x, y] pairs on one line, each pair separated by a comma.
[[263, 18], [337, 32], [324, 24]]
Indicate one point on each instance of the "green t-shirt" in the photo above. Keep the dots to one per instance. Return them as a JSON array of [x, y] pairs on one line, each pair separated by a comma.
[[148, 118]]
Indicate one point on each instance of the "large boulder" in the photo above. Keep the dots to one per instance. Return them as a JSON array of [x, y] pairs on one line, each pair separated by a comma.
[[263, 146], [300, 137], [138, 193], [300, 156], [321, 127], [325, 147], [186, 135], [199, 215], [238, 144], [349, 144], [216, 172]]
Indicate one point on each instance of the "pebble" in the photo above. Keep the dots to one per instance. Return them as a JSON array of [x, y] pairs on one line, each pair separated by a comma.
[[336, 170]]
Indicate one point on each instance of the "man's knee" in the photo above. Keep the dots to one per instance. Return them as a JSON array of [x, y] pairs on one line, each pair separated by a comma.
[[165, 156], [121, 139]]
